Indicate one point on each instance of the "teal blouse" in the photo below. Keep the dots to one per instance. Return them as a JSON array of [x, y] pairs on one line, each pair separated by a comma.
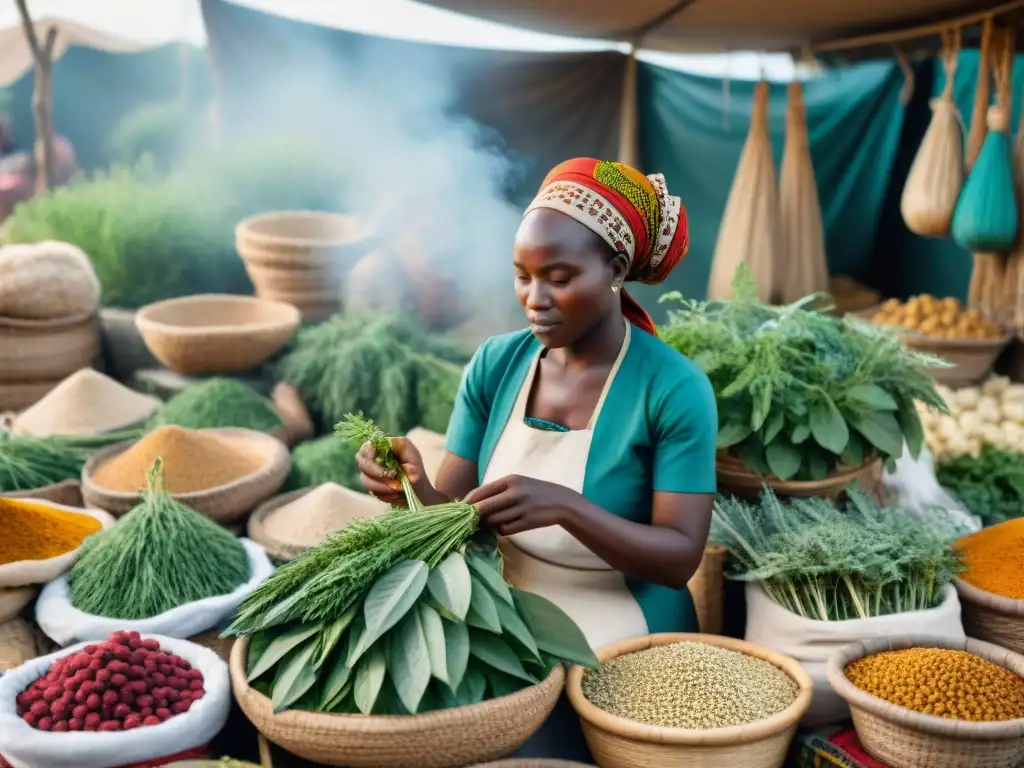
[[656, 432]]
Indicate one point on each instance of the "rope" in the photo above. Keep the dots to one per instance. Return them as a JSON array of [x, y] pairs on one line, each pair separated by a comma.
[[982, 95], [998, 117], [907, 91], [950, 57]]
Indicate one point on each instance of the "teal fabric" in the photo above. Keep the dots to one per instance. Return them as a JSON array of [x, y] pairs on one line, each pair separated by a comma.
[[693, 131], [656, 432], [908, 263]]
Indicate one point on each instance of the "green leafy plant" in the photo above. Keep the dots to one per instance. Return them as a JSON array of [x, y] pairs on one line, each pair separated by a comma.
[[400, 614], [800, 392], [830, 563], [160, 129], [990, 485]]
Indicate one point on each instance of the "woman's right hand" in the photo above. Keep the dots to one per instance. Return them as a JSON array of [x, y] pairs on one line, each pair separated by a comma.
[[382, 483]]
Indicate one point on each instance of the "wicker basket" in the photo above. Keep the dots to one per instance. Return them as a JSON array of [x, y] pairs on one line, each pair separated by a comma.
[[973, 359], [993, 618], [216, 333], [283, 550], [302, 257], [212, 640], [533, 762], [226, 503], [36, 351], [736, 479], [900, 738], [68, 493], [13, 599], [707, 588], [443, 739], [124, 351], [20, 395], [619, 743]]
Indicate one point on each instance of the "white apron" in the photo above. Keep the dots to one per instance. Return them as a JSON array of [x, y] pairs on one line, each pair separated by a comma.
[[550, 561]]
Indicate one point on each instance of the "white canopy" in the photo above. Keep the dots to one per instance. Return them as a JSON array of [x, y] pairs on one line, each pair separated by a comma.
[[128, 26]]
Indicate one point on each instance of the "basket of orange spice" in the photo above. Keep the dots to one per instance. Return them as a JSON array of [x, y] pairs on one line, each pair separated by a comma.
[[944, 327], [929, 701]]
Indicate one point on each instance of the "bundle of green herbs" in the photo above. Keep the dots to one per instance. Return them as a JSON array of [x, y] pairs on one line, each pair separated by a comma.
[[160, 555], [219, 402], [323, 460], [388, 367], [402, 613], [28, 462], [832, 562], [990, 485], [800, 392]]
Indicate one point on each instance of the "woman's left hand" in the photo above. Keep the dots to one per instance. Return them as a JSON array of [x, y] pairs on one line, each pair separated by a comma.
[[514, 504]]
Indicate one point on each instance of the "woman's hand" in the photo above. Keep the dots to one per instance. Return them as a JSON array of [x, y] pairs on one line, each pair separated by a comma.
[[514, 504], [384, 483]]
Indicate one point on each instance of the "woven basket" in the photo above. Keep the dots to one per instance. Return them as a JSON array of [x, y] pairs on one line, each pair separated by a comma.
[[216, 333], [973, 359], [124, 351], [226, 503], [19, 396], [619, 743], [36, 351], [533, 762], [900, 738], [68, 493], [443, 739], [302, 257], [212, 640], [993, 618], [14, 599], [283, 550], [736, 479], [707, 588]]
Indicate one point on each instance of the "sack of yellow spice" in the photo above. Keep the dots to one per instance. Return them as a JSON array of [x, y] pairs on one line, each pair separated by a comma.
[[41, 539]]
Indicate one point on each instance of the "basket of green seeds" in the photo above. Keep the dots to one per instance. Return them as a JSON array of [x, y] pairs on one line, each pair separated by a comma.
[[688, 699]]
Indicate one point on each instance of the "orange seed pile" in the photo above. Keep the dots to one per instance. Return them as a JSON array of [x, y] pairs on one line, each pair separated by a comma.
[[953, 684]]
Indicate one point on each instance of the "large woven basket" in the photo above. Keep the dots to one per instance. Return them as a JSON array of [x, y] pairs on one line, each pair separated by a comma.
[[216, 333], [736, 479], [34, 351], [619, 743], [444, 739], [993, 618], [901, 738], [283, 550], [533, 762], [68, 493], [226, 503], [17, 396], [302, 257], [707, 588], [973, 359]]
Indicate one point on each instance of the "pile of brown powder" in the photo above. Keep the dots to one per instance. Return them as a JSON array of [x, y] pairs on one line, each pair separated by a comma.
[[86, 403], [193, 461], [310, 519]]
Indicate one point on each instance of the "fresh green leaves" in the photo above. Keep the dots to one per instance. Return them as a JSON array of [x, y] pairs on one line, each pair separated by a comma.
[[801, 392], [402, 648]]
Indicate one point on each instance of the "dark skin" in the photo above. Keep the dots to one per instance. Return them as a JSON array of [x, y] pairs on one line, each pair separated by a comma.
[[565, 276]]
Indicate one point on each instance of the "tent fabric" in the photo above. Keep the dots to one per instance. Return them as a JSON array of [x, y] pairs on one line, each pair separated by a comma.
[[717, 25]]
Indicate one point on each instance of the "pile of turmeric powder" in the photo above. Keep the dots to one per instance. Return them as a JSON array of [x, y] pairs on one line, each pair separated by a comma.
[[936, 681], [994, 558], [192, 460], [34, 531]]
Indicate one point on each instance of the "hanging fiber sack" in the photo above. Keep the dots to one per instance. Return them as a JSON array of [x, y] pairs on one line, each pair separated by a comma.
[[749, 233], [937, 174], [65, 624], [803, 235], [811, 642], [25, 746], [986, 219]]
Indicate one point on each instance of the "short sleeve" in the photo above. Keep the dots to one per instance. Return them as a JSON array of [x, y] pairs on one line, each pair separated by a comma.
[[468, 422], [686, 433]]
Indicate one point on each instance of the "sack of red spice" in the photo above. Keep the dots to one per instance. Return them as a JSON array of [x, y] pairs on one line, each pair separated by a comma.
[[130, 700]]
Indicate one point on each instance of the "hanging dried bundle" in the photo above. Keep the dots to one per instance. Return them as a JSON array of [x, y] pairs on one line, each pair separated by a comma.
[[803, 235], [1013, 302], [937, 175], [985, 221], [749, 232]]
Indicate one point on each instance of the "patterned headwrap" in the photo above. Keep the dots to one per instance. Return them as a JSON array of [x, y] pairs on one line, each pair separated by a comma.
[[631, 212]]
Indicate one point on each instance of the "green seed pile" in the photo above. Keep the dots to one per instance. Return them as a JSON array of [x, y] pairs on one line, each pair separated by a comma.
[[689, 685]]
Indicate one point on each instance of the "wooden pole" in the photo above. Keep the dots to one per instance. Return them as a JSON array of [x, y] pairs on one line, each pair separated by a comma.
[[42, 99]]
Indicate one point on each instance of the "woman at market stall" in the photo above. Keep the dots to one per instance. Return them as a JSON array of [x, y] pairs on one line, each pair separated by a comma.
[[587, 444]]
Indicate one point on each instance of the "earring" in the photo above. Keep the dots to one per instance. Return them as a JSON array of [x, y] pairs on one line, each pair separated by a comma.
[[615, 287]]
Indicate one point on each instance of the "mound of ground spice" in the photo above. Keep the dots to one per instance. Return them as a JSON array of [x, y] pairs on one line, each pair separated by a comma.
[[311, 518], [995, 559], [956, 685], [36, 531], [193, 461], [85, 403]]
